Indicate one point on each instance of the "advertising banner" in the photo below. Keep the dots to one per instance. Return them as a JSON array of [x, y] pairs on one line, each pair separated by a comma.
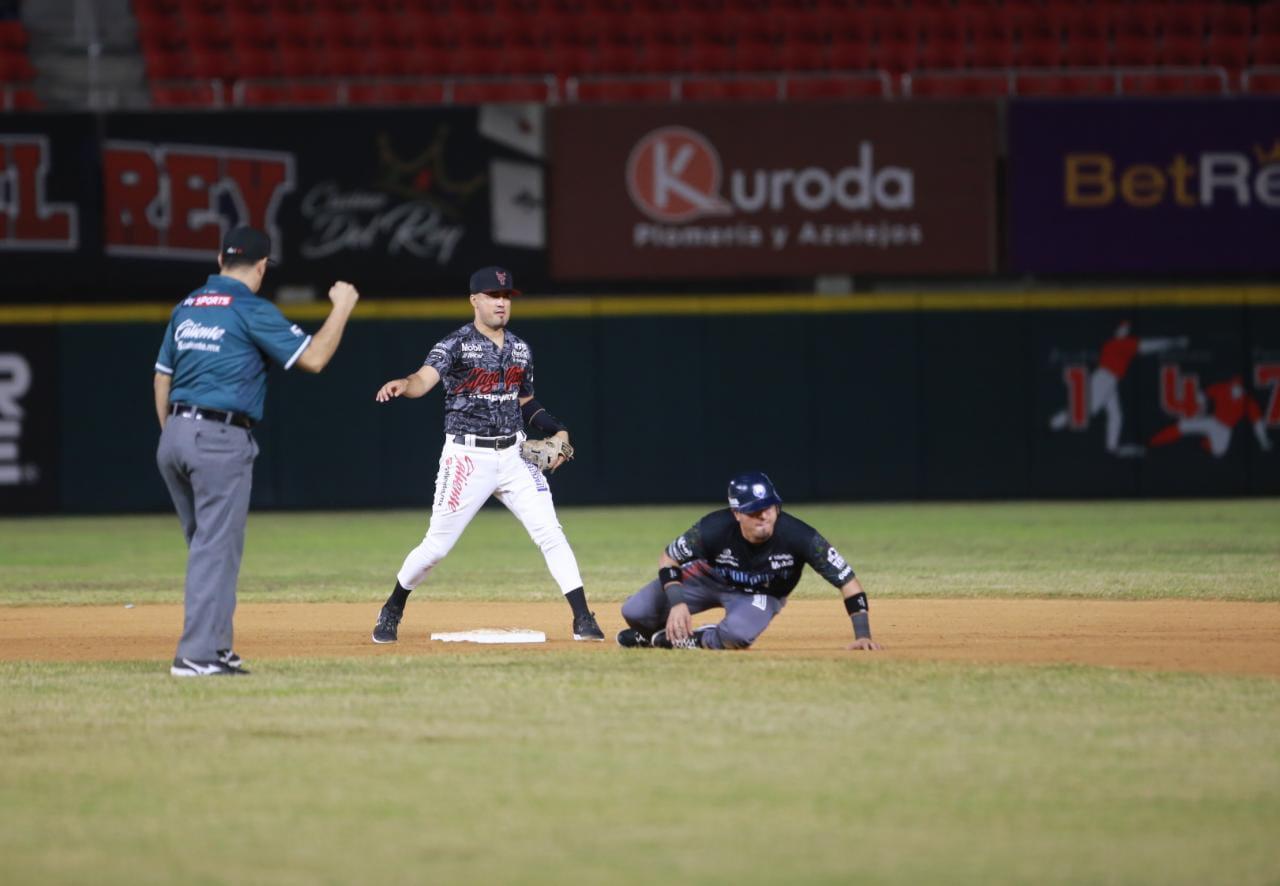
[[1156, 186], [772, 190], [29, 440], [398, 202]]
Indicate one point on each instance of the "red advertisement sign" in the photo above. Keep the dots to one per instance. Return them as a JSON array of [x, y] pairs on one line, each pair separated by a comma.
[[768, 190]]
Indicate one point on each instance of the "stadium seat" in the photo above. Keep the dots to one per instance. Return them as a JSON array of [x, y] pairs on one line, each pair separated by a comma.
[[940, 54], [1182, 52], [1267, 18], [1087, 52], [1261, 81], [1135, 52], [729, 89], [813, 87], [895, 56], [213, 65], [474, 92], [164, 64], [991, 54], [1038, 52], [1266, 50], [957, 84], [1066, 83], [1171, 83], [391, 93], [623, 90], [185, 95], [1230, 19], [1135, 21], [1186, 20], [849, 57], [1228, 51]]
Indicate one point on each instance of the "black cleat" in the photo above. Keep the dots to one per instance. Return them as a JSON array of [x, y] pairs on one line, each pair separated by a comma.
[[229, 658], [630, 638], [388, 626], [585, 627], [693, 641], [185, 667]]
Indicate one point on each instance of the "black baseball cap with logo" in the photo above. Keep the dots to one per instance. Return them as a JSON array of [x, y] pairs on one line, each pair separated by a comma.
[[494, 279], [244, 244]]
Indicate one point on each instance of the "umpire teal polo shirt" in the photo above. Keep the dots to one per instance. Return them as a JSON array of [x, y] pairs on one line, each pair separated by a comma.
[[219, 343]]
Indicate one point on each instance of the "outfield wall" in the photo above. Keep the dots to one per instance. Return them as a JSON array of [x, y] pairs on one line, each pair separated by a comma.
[[849, 398]]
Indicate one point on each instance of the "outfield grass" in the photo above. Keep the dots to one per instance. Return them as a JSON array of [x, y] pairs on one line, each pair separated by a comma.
[[610, 766], [1226, 550]]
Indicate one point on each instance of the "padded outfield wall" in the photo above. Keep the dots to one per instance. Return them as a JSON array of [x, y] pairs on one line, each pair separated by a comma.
[[838, 398]]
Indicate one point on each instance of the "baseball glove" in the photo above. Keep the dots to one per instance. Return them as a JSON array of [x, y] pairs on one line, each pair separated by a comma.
[[542, 454]]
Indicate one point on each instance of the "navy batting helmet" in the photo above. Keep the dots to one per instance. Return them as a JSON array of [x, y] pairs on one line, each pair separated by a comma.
[[752, 491]]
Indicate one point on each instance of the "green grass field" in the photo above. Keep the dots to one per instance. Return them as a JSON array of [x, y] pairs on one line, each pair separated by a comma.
[[598, 765]]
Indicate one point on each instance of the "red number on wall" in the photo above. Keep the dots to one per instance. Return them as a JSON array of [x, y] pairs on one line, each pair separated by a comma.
[[1179, 394], [1077, 395], [1267, 375]]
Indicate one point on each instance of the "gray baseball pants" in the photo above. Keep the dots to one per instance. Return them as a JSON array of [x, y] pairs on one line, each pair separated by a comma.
[[208, 468], [746, 615]]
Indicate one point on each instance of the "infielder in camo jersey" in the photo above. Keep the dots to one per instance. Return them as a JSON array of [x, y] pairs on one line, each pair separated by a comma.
[[488, 378], [745, 558]]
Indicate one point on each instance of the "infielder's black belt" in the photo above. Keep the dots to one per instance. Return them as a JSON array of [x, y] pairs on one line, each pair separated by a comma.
[[487, 442], [227, 418]]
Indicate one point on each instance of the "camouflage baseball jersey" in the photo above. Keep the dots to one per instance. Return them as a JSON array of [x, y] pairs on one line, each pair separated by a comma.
[[771, 568], [482, 383]]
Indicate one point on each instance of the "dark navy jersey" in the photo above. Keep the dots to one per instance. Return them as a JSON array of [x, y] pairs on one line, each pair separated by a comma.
[[483, 383], [771, 568], [218, 344]]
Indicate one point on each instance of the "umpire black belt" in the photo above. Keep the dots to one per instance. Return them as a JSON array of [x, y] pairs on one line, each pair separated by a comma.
[[486, 442], [240, 420]]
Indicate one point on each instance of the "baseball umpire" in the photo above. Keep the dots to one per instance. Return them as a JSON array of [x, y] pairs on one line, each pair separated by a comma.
[[488, 379], [745, 558], [210, 383]]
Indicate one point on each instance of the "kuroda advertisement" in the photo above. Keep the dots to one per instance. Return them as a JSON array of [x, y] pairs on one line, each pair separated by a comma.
[[780, 190], [134, 205], [1159, 187]]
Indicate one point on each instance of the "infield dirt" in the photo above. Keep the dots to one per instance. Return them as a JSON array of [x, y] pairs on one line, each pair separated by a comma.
[[1173, 635]]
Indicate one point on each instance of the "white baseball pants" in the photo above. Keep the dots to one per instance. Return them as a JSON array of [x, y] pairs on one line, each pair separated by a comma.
[[468, 475]]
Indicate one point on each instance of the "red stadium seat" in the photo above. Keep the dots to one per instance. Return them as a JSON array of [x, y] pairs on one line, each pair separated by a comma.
[[1267, 18], [943, 54], [1033, 52], [1230, 19], [1182, 52], [945, 25], [1172, 83], [710, 57], [1087, 52], [1067, 83], [985, 25], [186, 95], [1262, 81], [1137, 20], [958, 84], [1186, 20], [476, 92], [729, 89], [1266, 50], [1135, 52], [301, 62], [623, 90], [390, 93], [850, 57], [661, 58], [1087, 22], [1228, 51], [896, 56], [991, 54], [800, 87], [162, 64], [213, 65]]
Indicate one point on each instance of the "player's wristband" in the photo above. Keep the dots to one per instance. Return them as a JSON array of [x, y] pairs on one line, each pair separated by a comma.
[[856, 606], [536, 416], [669, 580]]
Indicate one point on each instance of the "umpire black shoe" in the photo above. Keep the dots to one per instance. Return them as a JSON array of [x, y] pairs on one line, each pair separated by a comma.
[[585, 627], [630, 638], [388, 626], [186, 667]]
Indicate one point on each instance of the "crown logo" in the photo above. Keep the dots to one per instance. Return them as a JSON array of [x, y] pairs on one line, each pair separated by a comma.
[[1265, 157]]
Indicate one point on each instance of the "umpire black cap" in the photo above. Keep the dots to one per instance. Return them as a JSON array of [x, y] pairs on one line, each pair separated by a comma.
[[246, 245], [752, 491]]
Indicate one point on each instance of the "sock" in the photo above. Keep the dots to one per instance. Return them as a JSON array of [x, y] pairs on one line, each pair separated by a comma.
[[577, 601], [398, 597]]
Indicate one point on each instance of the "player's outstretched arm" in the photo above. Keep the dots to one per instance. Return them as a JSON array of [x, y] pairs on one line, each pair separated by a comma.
[[855, 603], [412, 386]]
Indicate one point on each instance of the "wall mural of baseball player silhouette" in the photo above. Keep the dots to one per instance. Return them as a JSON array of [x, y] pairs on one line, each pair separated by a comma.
[[1090, 393], [1212, 414]]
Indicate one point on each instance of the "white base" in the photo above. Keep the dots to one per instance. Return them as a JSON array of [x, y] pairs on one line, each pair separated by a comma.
[[491, 635]]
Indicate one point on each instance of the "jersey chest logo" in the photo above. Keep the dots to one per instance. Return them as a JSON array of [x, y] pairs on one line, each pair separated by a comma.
[[727, 558], [781, 561]]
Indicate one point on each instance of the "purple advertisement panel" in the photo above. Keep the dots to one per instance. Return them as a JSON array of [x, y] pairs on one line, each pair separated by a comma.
[[1145, 187]]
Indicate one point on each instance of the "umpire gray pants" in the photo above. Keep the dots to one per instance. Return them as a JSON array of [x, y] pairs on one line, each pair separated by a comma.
[[746, 615], [208, 468]]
